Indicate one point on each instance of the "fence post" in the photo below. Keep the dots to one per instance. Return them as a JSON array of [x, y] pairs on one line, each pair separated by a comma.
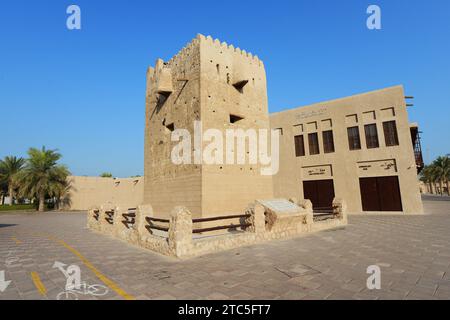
[[180, 231], [105, 227], [340, 209], [142, 211], [257, 218], [117, 222], [93, 223], [307, 205]]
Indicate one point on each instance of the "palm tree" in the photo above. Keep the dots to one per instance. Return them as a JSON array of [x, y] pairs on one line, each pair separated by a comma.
[[441, 168], [428, 175], [61, 193], [3, 190], [424, 176], [9, 169], [42, 175]]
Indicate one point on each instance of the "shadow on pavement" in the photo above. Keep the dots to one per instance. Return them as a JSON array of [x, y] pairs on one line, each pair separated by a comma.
[[429, 197], [7, 225]]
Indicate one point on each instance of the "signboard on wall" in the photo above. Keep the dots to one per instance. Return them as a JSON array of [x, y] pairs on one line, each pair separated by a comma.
[[376, 168], [311, 113], [317, 172]]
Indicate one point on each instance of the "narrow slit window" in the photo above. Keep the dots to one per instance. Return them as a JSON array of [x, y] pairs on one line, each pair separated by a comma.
[[171, 127], [390, 133], [168, 127], [328, 141], [234, 118], [299, 146], [354, 141], [239, 86], [371, 136], [313, 142]]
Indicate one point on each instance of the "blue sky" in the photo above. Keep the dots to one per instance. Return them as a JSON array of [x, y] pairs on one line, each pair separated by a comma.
[[83, 92]]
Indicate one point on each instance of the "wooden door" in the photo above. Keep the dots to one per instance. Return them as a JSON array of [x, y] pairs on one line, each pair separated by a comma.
[[380, 194], [389, 191], [320, 192], [369, 194]]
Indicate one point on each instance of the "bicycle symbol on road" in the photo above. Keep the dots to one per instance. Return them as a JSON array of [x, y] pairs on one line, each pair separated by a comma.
[[74, 285], [11, 259], [84, 289]]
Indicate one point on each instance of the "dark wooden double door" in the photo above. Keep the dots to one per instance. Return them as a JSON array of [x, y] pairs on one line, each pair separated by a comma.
[[321, 194], [380, 194]]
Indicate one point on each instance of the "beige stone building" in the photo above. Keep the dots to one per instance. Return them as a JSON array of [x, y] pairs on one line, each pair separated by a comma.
[[359, 148], [223, 87]]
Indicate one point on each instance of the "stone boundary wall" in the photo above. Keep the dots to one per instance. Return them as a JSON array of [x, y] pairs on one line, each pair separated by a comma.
[[87, 192], [179, 241]]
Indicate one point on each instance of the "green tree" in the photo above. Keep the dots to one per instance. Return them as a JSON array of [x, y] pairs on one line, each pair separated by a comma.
[[441, 168], [61, 194], [428, 175], [3, 191], [42, 176], [10, 167], [106, 175]]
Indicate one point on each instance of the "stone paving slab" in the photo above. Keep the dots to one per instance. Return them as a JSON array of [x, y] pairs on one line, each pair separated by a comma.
[[413, 253]]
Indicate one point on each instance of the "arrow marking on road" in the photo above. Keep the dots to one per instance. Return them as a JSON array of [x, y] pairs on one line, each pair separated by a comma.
[[3, 284], [60, 266]]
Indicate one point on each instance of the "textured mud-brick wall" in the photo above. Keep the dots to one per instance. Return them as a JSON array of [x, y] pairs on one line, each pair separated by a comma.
[[202, 78], [230, 188], [167, 184]]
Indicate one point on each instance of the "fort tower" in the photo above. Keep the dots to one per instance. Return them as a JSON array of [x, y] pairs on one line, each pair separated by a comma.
[[224, 88]]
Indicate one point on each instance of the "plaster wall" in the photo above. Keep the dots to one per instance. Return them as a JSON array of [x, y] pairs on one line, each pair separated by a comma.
[[346, 166]]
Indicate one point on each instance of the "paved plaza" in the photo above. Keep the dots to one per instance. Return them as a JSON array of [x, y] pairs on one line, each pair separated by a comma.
[[413, 253]]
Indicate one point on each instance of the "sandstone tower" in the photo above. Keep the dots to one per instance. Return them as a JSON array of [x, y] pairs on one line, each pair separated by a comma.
[[224, 88]]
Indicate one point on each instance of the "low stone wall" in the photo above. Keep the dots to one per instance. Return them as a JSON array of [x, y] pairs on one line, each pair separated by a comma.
[[265, 225], [340, 214]]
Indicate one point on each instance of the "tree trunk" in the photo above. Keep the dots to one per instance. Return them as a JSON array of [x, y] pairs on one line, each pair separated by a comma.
[[11, 195], [430, 184], [3, 199], [448, 189], [41, 202], [441, 187]]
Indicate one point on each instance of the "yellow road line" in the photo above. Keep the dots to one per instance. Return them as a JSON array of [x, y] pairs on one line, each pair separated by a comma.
[[38, 283], [111, 284], [16, 240]]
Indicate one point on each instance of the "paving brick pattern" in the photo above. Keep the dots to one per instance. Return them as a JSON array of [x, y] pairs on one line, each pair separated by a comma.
[[413, 253]]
